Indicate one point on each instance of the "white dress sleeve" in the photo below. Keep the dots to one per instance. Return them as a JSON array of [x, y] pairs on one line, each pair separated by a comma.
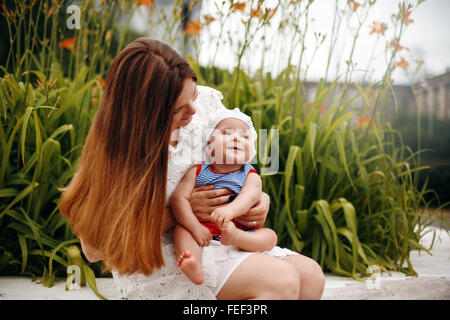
[[209, 101]]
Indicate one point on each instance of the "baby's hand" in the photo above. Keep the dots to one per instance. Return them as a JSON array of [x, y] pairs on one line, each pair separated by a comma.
[[202, 235], [221, 216]]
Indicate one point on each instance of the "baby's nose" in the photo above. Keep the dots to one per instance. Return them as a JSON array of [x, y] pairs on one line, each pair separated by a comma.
[[236, 136]]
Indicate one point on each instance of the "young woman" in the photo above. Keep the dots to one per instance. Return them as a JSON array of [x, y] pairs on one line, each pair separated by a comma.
[[142, 141]]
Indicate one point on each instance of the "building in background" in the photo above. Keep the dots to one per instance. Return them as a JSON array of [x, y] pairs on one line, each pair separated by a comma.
[[433, 96]]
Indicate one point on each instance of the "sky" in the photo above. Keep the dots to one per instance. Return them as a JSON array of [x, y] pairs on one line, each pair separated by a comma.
[[427, 38], [430, 33]]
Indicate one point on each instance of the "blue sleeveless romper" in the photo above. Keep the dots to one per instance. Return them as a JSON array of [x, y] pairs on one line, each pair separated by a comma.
[[233, 181]]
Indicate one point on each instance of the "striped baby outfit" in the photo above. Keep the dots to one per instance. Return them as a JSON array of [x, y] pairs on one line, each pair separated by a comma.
[[233, 181]]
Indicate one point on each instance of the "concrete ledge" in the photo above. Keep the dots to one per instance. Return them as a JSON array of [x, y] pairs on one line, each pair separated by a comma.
[[433, 281]]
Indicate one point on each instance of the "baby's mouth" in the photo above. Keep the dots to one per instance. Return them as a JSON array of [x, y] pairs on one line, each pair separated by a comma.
[[235, 148]]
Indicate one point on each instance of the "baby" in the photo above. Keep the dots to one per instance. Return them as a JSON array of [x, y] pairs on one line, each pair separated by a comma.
[[229, 144]]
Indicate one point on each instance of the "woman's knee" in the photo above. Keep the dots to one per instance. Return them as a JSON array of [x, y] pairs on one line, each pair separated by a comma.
[[311, 275], [316, 280], [317, 275], [287, 285], [262, 277]]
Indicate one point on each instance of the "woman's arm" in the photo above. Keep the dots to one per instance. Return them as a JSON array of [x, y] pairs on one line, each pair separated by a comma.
[[204, 200], [168, 220], [247, 198], [179, 202]]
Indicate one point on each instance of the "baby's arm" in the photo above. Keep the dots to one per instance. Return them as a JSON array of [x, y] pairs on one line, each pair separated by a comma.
[[247, 198], [182, 211]]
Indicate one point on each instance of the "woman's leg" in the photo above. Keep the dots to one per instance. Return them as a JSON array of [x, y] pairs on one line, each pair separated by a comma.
[[311, 275], [189, 255], [262, 277]]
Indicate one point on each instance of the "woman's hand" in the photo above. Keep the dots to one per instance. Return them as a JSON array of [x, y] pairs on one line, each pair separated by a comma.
[[204, 200]]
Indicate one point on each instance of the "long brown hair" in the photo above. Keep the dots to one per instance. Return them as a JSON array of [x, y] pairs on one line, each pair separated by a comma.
[[116, 199]]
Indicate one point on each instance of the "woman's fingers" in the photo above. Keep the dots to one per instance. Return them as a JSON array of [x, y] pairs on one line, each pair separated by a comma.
[[254, 223], [217, 193], [203, 201], [255, 217], [213, 216], [203, 188], [219, 200]]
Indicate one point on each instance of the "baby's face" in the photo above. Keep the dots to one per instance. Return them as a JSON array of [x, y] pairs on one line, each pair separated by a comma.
[[230, 142]]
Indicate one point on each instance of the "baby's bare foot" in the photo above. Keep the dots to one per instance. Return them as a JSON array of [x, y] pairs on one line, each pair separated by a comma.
[[190, 267], [229, 234]]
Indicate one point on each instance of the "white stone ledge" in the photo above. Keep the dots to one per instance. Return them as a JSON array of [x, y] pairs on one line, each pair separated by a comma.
[[433, 281]]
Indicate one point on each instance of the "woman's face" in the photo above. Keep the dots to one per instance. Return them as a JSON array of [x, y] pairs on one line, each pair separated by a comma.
[[184, 106]]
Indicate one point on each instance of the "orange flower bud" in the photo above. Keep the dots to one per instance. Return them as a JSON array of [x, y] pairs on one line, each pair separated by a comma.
[[193, 28], [67, 43]]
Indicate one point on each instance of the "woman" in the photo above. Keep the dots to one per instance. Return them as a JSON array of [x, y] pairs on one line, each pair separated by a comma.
[[141, 142]]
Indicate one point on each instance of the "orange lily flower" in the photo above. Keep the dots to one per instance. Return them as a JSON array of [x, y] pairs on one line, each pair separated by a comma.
[[5, 10], [102, 81], [378, 27], [68, 43], [256, 13], [354, 3], [402, 64], [398, 47], [238, 6], [363, 122], [208, 19], [146, 3], [407, 19], [193, 28]]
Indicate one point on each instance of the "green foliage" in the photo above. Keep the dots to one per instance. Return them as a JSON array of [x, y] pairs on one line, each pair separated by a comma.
[[41, 136]]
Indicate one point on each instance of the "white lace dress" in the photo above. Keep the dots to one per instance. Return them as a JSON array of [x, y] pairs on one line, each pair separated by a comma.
[[218, 261]]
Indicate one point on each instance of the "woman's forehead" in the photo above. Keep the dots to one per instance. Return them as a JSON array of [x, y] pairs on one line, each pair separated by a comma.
[[188, 91]]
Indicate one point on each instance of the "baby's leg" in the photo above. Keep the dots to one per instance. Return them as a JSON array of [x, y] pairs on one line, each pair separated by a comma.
[[259, 240], [189, 254]]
